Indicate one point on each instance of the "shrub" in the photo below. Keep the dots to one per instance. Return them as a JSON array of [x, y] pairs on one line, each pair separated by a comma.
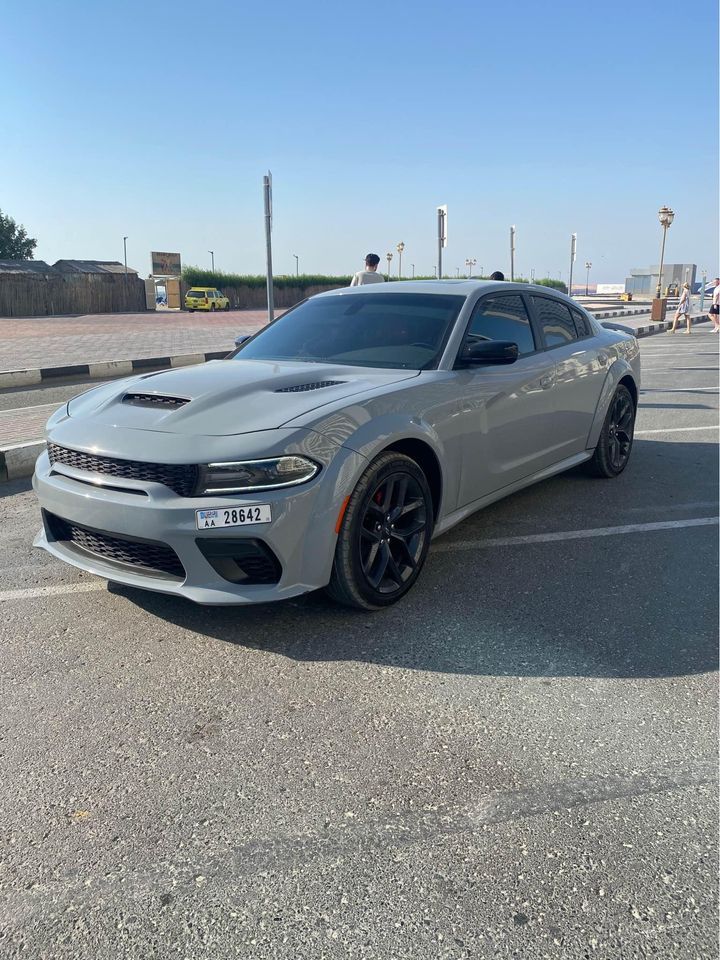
[[196, 277]]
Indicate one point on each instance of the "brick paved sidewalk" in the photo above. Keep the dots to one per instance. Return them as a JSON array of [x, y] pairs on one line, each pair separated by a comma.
[[35, 342]]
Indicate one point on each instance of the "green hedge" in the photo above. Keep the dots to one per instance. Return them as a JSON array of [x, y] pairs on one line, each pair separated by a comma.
[[195, 277]]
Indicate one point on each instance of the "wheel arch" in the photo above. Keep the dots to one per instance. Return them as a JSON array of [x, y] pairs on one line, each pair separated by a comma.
[[629, 382], [619, 373], [426, 458]]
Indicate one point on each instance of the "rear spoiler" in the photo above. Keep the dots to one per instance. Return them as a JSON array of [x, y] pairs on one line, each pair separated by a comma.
[[621, 328]]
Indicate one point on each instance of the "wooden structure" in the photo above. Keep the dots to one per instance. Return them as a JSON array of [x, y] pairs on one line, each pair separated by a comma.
[[32, 288]]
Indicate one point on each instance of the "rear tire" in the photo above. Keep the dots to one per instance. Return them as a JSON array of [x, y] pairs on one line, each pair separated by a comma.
[[616, 438], [385, 534]]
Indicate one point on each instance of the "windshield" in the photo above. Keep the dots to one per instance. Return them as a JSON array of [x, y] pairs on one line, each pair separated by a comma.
[[393, 330]]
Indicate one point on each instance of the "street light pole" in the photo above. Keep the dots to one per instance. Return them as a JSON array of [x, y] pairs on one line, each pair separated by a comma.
[[413, 270], [512, 253], [297, 265], [702, 289], [666, 217], [400, 248], [470, 263], [388, 257], [588, 265], [212, 258], [125, 240], [573, 248]]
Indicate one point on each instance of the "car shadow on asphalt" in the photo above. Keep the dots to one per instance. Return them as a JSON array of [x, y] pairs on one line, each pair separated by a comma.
[[636, 606]]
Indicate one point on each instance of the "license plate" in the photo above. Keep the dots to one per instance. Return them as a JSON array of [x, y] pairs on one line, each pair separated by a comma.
[[233, 516]]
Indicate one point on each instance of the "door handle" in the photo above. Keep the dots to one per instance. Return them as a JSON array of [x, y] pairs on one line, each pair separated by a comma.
[[547, 381]]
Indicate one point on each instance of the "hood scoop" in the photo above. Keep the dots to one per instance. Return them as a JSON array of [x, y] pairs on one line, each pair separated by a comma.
[[154, 401], [304, 387]]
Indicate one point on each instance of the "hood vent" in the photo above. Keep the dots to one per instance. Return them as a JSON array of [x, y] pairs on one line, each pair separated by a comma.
[[303, 387], [154, 400]]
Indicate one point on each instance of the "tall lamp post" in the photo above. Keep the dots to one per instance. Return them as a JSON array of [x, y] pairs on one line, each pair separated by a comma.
[[212, 259], [666, 217], [413, 270], [512, 253], [573, 249], [297, 265], [588, 267], [388, 257], [470, 263], [400, 248], [125, 240]]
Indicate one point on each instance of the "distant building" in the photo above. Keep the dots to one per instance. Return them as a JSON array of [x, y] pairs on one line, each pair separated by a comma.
[[643, 280], [92, 266], [26, 268]]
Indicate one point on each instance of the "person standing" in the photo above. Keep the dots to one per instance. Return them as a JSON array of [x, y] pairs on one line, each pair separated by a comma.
[[369, 274], [715, 306], [683, 309]]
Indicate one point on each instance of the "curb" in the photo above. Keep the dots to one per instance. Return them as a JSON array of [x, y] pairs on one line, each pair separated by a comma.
[[103, 368], [19, 460]]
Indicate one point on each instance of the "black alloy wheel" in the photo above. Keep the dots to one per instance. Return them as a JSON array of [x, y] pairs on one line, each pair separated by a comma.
[[615, 444], [385, 534]]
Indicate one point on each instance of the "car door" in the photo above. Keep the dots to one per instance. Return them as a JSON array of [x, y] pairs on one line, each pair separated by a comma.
[[505, 411], [580, 369]]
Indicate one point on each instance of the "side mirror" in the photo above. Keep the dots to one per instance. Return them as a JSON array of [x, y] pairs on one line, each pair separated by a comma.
[[239, 341], [488, 351]]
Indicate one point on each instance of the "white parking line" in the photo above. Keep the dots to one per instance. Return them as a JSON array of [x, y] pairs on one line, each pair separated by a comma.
[[33, 592], [572, 534], [677, 429]]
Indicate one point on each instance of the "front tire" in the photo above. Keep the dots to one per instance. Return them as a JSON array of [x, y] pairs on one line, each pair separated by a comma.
[[616, 438], [385, 535]]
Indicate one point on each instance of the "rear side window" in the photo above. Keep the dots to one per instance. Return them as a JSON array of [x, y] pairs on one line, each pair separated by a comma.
[[556, 321], [502, 317], [582, 324]]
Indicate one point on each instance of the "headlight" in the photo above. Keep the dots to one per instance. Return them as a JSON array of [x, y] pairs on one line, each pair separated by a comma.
[[249, 475]]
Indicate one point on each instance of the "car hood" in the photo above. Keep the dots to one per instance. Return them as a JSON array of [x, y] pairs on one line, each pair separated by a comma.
[[226, 397]]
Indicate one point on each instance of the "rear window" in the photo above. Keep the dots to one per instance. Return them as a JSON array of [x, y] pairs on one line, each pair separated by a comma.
[[198, 294]]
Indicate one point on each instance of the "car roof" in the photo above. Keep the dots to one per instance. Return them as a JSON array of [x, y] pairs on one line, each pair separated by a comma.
[[462, 288]]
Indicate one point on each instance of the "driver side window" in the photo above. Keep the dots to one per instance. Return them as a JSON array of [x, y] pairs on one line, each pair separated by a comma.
[[502, 317]]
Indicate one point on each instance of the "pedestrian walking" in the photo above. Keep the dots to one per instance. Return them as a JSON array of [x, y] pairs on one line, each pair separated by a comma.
[[715, 306], [683, 309], [369, 274]]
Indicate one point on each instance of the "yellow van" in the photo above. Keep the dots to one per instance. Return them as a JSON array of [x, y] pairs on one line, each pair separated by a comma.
[[205, 298]]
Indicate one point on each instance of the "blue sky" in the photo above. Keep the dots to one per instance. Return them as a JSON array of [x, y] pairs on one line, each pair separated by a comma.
[[159, 120]]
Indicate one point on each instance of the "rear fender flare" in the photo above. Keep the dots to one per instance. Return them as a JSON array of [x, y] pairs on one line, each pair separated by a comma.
[[619, 369]]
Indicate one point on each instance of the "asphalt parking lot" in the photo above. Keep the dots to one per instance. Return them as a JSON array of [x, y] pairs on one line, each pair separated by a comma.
[[519, 760]]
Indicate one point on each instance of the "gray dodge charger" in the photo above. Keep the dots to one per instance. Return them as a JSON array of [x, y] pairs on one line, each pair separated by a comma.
[[330, 447]]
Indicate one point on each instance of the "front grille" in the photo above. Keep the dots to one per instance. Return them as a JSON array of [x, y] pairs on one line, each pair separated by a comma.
[[147, 554], [303, 387], [181, 478], [154, 400]]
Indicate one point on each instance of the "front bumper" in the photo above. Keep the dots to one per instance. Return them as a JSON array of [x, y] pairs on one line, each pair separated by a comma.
[[301, 535]]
